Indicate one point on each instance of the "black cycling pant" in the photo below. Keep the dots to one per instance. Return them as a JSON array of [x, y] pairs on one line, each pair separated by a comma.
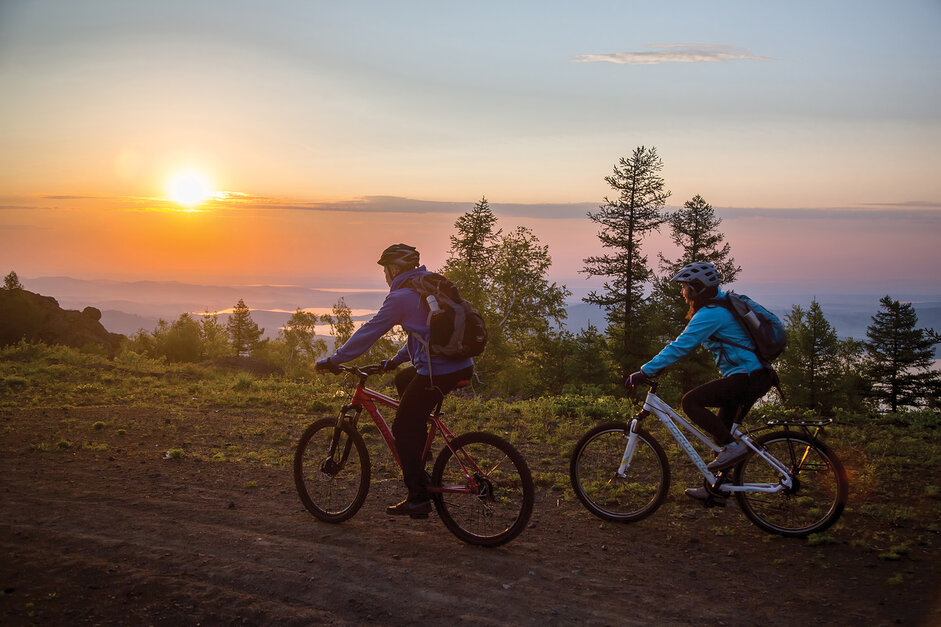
[[417, 399], [729, 394]]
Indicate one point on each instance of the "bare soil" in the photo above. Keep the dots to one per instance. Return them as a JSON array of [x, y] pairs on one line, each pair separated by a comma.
[[127, 536]]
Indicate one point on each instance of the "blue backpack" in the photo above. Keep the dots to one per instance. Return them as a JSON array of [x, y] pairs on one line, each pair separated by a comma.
[[767, 333]]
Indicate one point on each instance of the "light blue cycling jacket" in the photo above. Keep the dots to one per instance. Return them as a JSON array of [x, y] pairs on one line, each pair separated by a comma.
[[708, 325], [401, 306]]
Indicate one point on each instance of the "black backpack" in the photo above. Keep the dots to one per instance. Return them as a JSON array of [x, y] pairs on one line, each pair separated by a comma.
[[457, 329], [766, 331]]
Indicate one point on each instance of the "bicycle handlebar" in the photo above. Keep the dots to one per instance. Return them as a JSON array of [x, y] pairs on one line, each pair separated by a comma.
[[653, 383], [361, 371]]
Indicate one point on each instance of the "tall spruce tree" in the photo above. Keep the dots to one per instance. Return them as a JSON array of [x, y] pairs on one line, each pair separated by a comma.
[[243, 332], [476, 235], [472, 255], [811, 369], [625, 220], [900, 357], [695, 230]]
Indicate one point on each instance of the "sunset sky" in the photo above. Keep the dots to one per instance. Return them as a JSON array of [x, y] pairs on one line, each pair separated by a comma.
[[319, 132]]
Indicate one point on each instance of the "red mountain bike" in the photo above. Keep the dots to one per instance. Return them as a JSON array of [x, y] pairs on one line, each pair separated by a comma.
[[480, 485]]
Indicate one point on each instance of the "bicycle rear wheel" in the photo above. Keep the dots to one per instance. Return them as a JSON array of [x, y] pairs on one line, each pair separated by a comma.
[[593, 471], [498, 510], [819, 490], [332, 487]]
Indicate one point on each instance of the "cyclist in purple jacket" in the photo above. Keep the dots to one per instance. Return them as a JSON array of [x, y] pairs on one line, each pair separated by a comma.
[[419, 392], [744, 378]]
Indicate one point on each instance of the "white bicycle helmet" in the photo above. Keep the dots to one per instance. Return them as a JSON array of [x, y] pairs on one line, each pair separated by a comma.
[[699, 275]]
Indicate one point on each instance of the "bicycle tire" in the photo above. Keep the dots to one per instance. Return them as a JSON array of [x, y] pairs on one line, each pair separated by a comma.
[[593, 473], [331, 493], [819, 494], [503, 504]]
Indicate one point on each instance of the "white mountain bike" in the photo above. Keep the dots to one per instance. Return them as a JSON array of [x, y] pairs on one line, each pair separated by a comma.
[[790, 484]]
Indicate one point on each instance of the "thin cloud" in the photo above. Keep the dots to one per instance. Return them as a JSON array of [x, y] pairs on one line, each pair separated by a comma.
[[394, 204], [675, 53], [928, 214], [913, 204], [57, 197]]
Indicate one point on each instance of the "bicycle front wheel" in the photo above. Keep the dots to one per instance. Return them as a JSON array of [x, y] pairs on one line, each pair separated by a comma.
[[593, 470], [816, 498], [332, 481], [495, 507]]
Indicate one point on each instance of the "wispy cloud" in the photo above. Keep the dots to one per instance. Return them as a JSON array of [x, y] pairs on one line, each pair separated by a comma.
[[912, 204], [927, 213], [674, 53], [394, 204], [56, 197]]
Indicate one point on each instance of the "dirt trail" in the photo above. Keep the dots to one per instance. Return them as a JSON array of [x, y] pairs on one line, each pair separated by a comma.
[[126, 537]]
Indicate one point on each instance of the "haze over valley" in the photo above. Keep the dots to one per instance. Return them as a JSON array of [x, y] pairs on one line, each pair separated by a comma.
[[127, 306]]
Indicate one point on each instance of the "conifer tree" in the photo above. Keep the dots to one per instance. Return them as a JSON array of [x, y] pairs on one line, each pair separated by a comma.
[[476, 237], [12, 282], [811, 368], [625, 220], [695, 231], [243, 332], [900, 356], [470, 262]]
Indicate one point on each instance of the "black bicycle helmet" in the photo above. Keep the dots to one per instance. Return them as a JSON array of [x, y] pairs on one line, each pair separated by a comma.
[[699, 274], [399, 255]]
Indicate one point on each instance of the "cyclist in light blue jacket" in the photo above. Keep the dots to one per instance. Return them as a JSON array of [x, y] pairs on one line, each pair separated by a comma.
[[419, 393], [744, 378]]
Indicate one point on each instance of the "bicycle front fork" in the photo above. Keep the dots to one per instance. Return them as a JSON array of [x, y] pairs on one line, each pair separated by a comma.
[[628, 449]]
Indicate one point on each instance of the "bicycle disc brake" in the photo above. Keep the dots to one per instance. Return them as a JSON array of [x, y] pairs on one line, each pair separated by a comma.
[[330, 467], [485, 491], [794, 476]]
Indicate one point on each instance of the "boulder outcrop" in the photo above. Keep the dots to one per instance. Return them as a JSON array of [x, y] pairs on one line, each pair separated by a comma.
[[37, 318]]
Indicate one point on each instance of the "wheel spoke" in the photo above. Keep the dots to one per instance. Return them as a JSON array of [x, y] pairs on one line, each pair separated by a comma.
[[332, 490], [602, 490], [816, 498], [500, 508]]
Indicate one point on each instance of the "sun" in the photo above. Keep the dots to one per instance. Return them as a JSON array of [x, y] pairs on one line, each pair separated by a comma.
[[189, 188]]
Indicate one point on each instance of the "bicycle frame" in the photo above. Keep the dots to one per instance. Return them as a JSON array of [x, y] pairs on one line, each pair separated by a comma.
[[369, 399], [653, 404]]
